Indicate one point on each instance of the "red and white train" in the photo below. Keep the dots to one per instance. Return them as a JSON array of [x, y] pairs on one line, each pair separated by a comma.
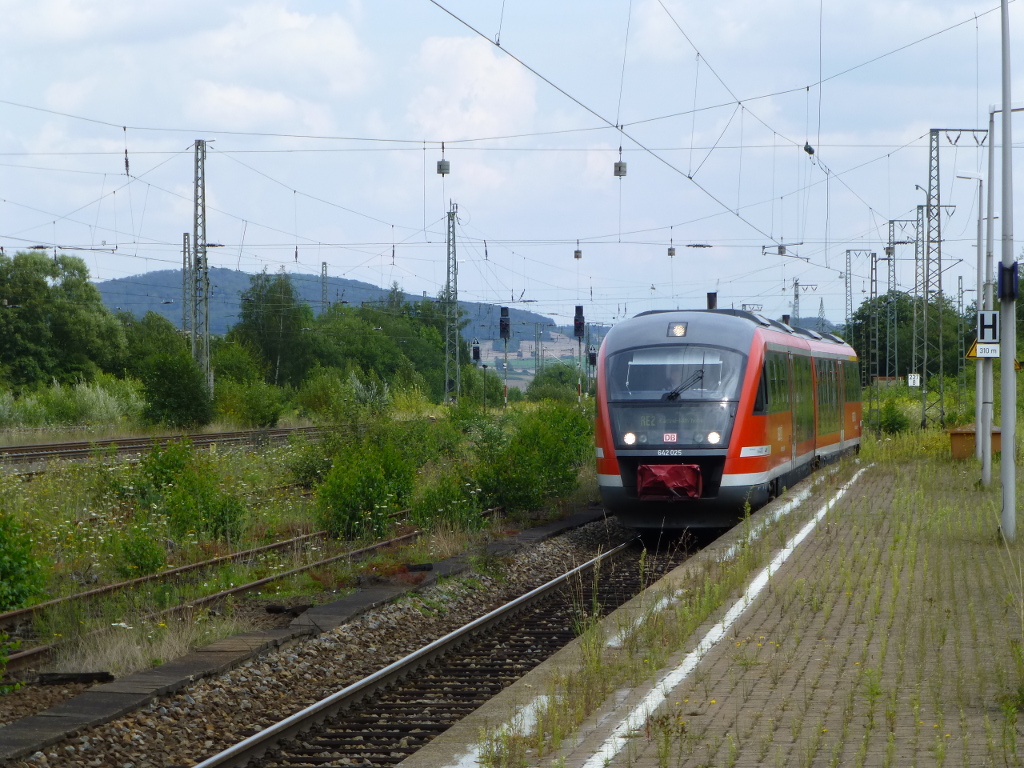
[[702, 412]]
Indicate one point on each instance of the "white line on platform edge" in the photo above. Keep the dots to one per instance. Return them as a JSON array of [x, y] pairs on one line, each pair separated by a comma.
[[657, 696], [724, 556]]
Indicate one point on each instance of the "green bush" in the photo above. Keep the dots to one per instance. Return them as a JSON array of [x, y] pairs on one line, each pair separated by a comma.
[[180, 483], [194, 504], [367, 482], [137, 553], [176, 392], [557, 382], [106, 401], [251, 405], [309, 461], [537, 457], [20, 572], [892, 420], [451, 499], [164, 464]]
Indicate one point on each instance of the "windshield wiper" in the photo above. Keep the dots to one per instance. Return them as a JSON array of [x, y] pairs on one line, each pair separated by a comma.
[[695, 378]]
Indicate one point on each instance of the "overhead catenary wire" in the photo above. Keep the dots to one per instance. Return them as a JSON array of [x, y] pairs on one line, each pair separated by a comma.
[[740, 204]]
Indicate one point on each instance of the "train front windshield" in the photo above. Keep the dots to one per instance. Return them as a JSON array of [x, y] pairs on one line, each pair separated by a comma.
[[669, 397]]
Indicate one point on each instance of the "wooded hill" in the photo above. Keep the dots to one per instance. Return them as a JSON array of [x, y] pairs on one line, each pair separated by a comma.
[[160, 292]]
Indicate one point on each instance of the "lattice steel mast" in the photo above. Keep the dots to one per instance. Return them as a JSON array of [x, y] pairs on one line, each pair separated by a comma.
[[323, 287], [918, 352], [200, 270], [932, 401], [186, 286], [452, 379], [892, 358]]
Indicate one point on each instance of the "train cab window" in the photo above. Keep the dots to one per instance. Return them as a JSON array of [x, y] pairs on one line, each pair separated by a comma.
[[675, 372]]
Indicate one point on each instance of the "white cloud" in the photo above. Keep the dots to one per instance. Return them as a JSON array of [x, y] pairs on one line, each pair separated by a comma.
[[469, 89], [241, 108], [308, 54]]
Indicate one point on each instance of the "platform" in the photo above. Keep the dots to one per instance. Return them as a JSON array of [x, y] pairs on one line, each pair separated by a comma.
[[873, 620]]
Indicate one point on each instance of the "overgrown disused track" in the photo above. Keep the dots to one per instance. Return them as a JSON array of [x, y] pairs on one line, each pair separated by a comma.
[[389, 715], [37, 655], [83, 449]]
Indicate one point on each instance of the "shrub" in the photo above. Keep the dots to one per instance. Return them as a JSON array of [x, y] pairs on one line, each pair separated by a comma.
[[556, 382], [309, 461], [536, 459], [136, 553], [179, 483], [20, 572], [162, 465], [450, 499], [251, 405], [176, 392], [374, 393], [194, 504], [892, 420], [368, 481]]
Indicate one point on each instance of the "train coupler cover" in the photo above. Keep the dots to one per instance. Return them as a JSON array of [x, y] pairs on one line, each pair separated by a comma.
[[668, 482]]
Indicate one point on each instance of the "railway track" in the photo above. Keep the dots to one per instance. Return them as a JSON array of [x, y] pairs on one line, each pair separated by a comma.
[[81, 449], [383, 718], [37, 655]]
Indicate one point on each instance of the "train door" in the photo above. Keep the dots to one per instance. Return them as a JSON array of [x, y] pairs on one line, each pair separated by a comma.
[[791, 379], [841, 397]]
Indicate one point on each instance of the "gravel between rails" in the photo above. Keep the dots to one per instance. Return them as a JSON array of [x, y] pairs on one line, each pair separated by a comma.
[[216, 712]]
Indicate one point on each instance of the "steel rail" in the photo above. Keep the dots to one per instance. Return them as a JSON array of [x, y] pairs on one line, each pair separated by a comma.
[[10, 618], [258, 744]]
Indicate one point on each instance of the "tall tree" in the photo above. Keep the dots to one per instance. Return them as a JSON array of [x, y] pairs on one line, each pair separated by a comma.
[[277, 324], [903, 304], [53, 325], [173, 384]]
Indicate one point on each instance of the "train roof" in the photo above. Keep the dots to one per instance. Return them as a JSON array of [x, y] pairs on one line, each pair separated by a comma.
[[721, 327]]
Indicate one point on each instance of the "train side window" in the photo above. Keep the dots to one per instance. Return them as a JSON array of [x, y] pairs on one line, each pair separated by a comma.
[[761, 399], [778, 382]]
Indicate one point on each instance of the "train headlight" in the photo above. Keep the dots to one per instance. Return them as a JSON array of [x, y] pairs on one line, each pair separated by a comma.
[[629, 438], [714, 438]]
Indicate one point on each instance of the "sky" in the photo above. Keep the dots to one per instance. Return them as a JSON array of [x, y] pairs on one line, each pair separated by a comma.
[[324, 123]]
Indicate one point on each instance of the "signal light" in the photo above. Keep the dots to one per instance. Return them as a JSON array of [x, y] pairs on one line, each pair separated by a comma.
[[504, 324], [592, 356], [476, 351], [578, 323]]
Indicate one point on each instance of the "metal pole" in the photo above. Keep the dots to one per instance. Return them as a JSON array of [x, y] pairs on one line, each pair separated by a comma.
[[979, 373], [988, 394], [1007, 311]]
